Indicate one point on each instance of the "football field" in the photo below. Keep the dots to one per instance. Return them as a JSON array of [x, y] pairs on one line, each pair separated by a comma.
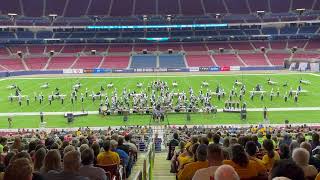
[[304, 111]]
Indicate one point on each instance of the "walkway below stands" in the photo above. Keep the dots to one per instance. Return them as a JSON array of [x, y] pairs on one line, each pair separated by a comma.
[[137, 166], [161, 168]]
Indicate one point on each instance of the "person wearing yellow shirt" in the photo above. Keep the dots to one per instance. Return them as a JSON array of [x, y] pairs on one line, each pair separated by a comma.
[[107, 157], [240, 162], [251, 149], [272, 156], [190, 169]]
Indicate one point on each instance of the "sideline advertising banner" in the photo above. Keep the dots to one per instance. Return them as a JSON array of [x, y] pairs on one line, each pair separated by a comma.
[[72, 71]]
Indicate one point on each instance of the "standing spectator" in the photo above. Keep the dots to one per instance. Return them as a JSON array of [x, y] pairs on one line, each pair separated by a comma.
[[189, 169], [215, 158], [172, 144], [107, 157], [71, 166], [19, 169], [3, 142], [87, 169], [17, 145], [271, 156], [251, 149], [315, 140], [301, 157]]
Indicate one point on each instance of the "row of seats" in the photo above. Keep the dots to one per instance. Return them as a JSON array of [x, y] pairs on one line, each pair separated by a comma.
[[151, 61], [188, 47]]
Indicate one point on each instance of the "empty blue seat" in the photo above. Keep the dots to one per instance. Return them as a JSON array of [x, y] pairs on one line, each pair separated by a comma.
[[171, 61], [144, 61]]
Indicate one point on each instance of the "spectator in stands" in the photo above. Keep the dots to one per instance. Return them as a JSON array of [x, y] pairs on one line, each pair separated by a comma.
[[122, 146], [3, 142], [240, 162], [39, 159], [96, 150], [215, 158], [271, 155], [172, 144], [294, 144], [189, 169], [87, 169], [301, 157], [286, 139], [284, 151], [17, 145], [107, 157], [123, 155], [251, 149], [71, 166], [83, 147], [19, 169], [312, 160], [181, 148], [226, 172], [204, 140], [256, 141], [210, 137], [216, 139], [128, 142], [315, 140], [185, 157], [68, 149], [52, 162], [286, 168]]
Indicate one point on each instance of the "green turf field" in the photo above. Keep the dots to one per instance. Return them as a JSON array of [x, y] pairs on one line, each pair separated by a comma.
[[29, 86]]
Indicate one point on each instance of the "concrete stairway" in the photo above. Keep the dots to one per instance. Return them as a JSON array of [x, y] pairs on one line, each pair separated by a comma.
[[161, 170]]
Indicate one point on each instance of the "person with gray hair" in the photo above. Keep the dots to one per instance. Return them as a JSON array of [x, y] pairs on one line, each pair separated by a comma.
[[87, 169], [301, 157], [123, 155], [190, 169], [226, 172], [71, 166]]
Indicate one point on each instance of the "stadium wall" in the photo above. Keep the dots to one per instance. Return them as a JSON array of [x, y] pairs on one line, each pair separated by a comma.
[[141, 70]]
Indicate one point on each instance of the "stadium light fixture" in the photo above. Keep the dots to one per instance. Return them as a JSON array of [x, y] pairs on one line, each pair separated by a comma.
[[260, 13], [53, 15], [218, 16], [12, 14], [169, 17], [145, 18]]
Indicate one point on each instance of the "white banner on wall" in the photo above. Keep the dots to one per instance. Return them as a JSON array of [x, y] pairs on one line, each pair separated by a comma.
[[72, 71], [234, 68]]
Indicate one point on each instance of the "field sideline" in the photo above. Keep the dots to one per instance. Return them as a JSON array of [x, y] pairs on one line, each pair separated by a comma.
[[30, 85]]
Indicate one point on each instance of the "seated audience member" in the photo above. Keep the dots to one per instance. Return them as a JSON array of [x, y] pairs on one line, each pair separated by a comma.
[[215, 158], [189, 169], [123, 155], [39, 159], [284, 151], [87, 169], [240, 162], [107, 157], [271, 155], [185, 157], [251, 150], [52, 162], [122, 146], [301, 157], [315, 140], [312, 160], [71, 166], [128, 142], [19, 169], [175, 156], [286, 168], [226, 172]]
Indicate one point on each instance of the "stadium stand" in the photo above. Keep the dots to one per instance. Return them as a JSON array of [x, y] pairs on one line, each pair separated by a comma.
[[36, 63], [144, 61], [199, 61], [61, 62], [171, 61]]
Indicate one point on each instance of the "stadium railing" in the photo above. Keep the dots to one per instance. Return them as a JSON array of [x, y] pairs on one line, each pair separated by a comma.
[[145, 172]]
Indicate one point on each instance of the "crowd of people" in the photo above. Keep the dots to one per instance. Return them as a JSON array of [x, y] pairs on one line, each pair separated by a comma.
[[200, 153], [82, 154]]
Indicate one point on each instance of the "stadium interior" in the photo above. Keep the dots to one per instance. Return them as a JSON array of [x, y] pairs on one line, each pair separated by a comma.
[[159, 89]]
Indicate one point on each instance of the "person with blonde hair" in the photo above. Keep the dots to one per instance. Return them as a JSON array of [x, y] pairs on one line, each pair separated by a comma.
[[39, 159], [19, 169], [52, 162]]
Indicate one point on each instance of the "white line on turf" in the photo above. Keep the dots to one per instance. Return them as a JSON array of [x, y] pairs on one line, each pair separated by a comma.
[[156, 75], [219, 110]]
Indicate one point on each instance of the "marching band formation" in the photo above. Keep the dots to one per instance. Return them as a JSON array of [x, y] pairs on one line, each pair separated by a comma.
[[157, 96]]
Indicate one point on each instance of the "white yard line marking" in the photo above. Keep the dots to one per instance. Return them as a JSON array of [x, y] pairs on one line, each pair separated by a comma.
[[219, 110]]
